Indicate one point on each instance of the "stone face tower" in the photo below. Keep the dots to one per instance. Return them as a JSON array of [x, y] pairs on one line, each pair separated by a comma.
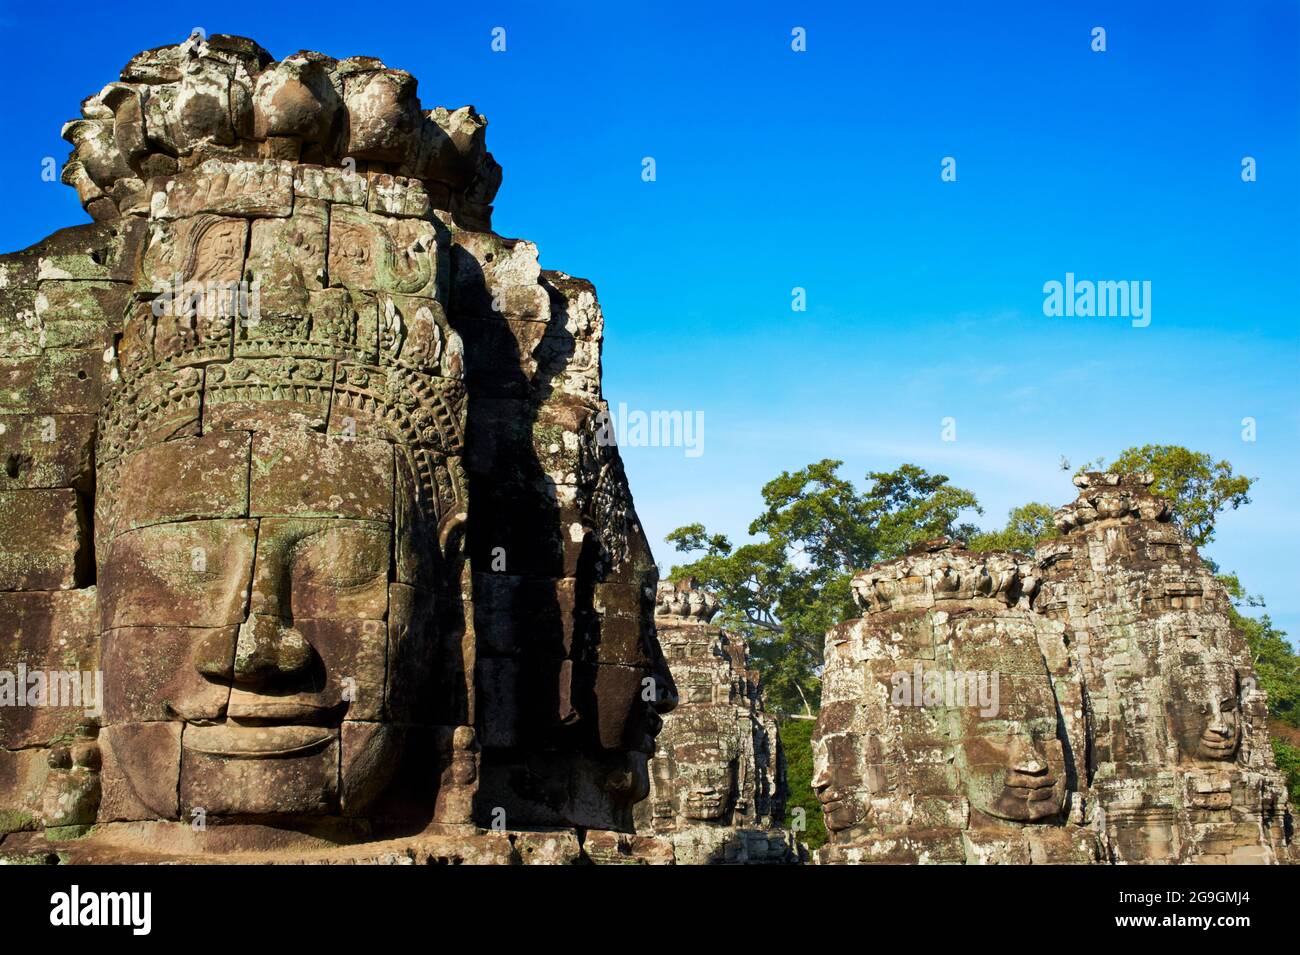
[[1127, 725], [1181, 766], [306, 459], [950, 729], [717, 782]]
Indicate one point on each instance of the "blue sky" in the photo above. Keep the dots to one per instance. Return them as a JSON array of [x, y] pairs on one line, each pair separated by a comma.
[[821, 170]]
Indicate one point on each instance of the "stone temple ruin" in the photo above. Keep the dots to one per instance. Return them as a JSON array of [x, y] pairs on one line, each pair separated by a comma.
[[1180, 768], [303, 457], [938, 738], [1090, 704], [311, 550]]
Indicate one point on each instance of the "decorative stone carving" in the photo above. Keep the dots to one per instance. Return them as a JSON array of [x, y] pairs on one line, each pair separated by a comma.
[[215, 125], [331, 603], [950, 727], [1182, 769], [717, 782]]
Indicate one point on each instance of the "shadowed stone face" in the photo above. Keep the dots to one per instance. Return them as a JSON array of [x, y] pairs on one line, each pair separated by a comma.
[[717, 780], [707, 767]]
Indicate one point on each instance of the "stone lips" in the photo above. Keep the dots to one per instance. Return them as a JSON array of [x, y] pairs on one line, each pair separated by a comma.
[[298, 399]]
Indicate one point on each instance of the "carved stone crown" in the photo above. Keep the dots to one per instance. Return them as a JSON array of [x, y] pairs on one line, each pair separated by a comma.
[[1107, 495], [943, 570], [224, 97], [684, 600], [393, 376]]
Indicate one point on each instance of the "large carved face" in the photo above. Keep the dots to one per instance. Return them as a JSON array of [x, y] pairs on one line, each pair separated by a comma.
[[248, 599], [1205, 711], [1011, 760], [967, 714], [1013, 772]]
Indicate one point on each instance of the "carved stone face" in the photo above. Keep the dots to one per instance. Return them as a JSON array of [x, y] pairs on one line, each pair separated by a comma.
[[705, 758], [1012, 764], [1013, 773], [836, 783], [262, 637], [839, 767], [1205, 711], [948, 718]]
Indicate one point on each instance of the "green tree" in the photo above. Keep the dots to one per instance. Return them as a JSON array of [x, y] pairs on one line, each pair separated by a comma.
[[1197, 486], [1026, 526], [783, 592], [796, 741], [1288, 761]]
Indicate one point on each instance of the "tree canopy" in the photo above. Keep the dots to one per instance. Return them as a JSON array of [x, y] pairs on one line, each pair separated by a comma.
[[785, 591], [1026, 526], [1197, 486]]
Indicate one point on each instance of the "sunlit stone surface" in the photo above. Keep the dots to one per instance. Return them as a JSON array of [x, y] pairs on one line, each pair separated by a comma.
[[1129, 726]]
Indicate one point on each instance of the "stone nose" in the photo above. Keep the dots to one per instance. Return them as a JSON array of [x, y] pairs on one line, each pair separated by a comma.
[[268, 650], [1219, 724], [1028, 760], [821, 777]]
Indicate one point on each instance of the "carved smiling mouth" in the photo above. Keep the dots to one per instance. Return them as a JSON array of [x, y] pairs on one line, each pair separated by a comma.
[[1027, 796], [654, 723], [1218, 747], [705, 801], [832, 802], [233, 741], [1029, 788]]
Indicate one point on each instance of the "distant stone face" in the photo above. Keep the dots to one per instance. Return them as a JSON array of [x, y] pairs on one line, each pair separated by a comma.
[[1092, 704], [717, 782], [1181, 768], [946, 732], [308, 463]]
